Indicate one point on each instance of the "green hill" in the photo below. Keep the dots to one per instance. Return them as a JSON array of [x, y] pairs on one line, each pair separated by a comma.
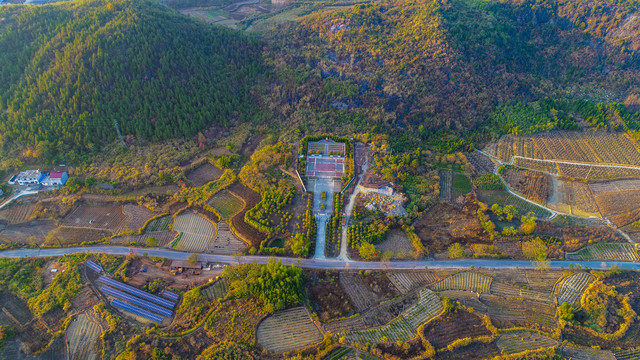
[[455, 64], [69, 70]]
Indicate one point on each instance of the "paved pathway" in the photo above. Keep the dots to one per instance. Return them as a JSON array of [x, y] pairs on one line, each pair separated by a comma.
[[336, 264]]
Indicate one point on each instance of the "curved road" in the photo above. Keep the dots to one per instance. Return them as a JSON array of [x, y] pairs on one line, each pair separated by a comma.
[[336, 264]]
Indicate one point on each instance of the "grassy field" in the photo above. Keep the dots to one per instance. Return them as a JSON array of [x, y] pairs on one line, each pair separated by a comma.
[[226, 204]]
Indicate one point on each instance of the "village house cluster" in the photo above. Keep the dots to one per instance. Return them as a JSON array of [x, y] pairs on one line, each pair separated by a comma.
[[37, 177]]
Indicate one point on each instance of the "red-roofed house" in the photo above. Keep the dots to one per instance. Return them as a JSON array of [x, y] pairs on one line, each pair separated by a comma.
[[58, 178]]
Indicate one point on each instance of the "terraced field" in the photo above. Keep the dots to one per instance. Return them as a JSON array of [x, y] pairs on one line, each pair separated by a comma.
[[226, 242], [217, 290], [606, 251], [525, 207], [577, 352], [137, 216], [197, 232], [360, 295], [103, 217], [164, 238], [407, 281], [511, 291], [452, 326], [536, 165], [471, 281], [81, 335], [226, 204], [288, 330], [403, 327], [446, 185], [521, 341], [571, 288], [17, 214], [506, 313], [159, 224], [542, 280], [620, 207], [628, 354], [481, 163]]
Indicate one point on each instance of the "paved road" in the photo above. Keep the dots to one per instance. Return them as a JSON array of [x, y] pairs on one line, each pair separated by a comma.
[[317, 263]]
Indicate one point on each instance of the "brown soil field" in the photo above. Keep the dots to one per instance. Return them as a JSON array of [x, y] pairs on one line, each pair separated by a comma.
[[71, 235], [17, 213], [406, 281], [251, 198], [409, 350], [471, 352], [507, 313], [226, 242], [361, 296], [481, 163], [532, 185], [35, 231], [327, 297], [137, 216], [14, 311], [164, 238], [620, 207], [104, 217], [203, 174], [56, 350], [374, 317], [444, 224], [380, 284], [452, 326], [397, 243]]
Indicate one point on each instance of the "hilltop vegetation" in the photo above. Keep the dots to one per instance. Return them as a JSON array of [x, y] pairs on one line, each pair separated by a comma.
[[72, 69]]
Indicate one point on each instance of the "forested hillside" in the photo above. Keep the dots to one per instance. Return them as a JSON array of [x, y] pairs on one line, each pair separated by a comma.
[[69, 70], [463, 64]]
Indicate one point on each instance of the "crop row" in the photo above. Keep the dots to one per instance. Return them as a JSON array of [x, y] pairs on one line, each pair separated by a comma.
[[217, 290], [407, 281], [518, 342], [606, 251], [471, 281], [288, 330], [197, 232], [572, 287]]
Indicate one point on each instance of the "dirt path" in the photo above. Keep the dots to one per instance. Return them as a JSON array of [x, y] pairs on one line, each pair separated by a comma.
[[349, 210]]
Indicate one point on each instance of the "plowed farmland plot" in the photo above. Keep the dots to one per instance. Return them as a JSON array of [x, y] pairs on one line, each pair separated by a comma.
[[511, 291], [407, 281], [204, 174], [288, 330], [536, 165], [481, 163], [17, 214], [27, 233], [164, 238], [514, 277], [542, 280], [56, 351], [613, 186], [226, 204], [446, 185], [571, 288], [159, 224], [471, 281], [403, 327], [452, 326], [137, 216], [75, 235], [197, 232], [532, 185], [14, 311], [226, 242], [103, 217], [627, 354], [560, 196], [525, 207], [582, 201], [361, 296], [622, 207], [374, 317], [577, 352], [606, 251], [518, 342], [81, 335], [217, 290], [251, 198], [507, 313]]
